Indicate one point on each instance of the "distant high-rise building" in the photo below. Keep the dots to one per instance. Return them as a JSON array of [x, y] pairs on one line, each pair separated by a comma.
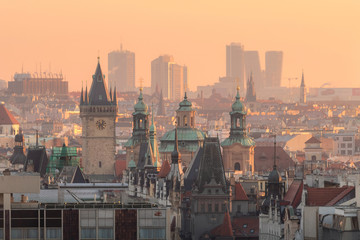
[[273, 68], [168, 77], [235, 67], [252, 67], [121, 67]]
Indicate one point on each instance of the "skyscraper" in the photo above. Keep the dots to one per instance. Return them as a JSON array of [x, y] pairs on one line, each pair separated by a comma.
[[235, 67], [252, 67], [273, 68], [168, 77], [121, 67]]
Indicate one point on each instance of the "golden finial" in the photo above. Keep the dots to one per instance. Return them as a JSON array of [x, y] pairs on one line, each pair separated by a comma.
[[141, 81]]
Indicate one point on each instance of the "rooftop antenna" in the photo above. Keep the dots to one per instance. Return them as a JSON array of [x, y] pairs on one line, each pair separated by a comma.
[[141, 81]]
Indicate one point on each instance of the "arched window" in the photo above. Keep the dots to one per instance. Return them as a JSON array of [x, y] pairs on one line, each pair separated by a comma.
[[238, 122], [237, 166], [141, 123], [185, 121], [313, 158]]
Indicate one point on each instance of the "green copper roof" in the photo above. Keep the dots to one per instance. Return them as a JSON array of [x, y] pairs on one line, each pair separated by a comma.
[[184, 134], [185, 105], [238, 106], [244, 140], [131, 164], [140, 106]]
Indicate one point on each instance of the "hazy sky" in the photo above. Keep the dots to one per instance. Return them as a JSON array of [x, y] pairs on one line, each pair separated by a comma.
[[321, 37]]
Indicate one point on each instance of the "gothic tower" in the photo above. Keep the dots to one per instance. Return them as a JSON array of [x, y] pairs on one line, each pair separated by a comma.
[[250, 91], [98, 114], [302, 90], [238, 148]]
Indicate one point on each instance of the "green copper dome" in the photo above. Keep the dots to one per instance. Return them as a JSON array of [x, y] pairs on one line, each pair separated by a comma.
[[140, 106], [185, 105], [238, 106]]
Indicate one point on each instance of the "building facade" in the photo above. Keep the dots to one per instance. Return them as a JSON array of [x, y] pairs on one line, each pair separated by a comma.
[[235, 63], [168, 77], [121, 69], [273, 68], [38, 84]]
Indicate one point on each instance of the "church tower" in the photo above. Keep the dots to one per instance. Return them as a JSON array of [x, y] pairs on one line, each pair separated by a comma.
[[302, 90], [238, 148], [250, 91], [140, 133], [98, 115]]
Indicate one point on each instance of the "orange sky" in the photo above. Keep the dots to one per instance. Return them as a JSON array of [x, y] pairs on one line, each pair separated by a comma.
[[322, 37]]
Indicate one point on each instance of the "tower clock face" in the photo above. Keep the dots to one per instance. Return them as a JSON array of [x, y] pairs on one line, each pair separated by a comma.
[[100, 124]]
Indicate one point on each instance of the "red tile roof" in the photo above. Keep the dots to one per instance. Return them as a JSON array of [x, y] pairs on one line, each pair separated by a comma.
[[264, 158], [326, 196], [225, 229], [6, 118], [246, 227], [120, 166], [293, 195], [240, 194], [313, 140], [165, 169]]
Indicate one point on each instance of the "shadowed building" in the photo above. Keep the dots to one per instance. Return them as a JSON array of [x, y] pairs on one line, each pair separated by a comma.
[[98, 113], [273, 68]]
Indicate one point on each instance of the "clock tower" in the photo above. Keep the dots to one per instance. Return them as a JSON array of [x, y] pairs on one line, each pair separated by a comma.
[[98, 110]]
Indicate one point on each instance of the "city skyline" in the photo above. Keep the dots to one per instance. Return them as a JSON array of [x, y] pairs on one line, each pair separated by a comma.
[[307, 33]]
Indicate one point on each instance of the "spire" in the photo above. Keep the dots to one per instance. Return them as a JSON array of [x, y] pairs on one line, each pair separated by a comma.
[[86, 100], [237, 93], [99, 94], [302, 79], [110, 95], [175, 155], [114, 96], [152, 127], [82, 94], [185, 97]]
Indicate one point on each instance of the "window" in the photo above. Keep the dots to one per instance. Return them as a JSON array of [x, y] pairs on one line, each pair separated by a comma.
[[209, 207], [252, 230], [152, 233], [223, 207], [245, 226], [237, 166], [216, 207], [347, 139], [185, 121], [105, 233], [202, 207], [100, 97], [88, 233], [53, 233], [343, 152], [238, 208], [100, 164], [349, 152], [343, 145], [313, 158], [349, 145]]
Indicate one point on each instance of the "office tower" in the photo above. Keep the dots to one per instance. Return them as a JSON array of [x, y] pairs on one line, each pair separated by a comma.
[[168, 77], [273, 68], [252, 67], [235, 63], [121, 68]]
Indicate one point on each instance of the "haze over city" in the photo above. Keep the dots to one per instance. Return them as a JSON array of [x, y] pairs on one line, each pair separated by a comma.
[[321, 37]]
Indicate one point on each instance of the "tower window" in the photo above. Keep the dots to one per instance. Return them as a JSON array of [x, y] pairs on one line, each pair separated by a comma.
[[185, 121], [100, 164], [237, 166]]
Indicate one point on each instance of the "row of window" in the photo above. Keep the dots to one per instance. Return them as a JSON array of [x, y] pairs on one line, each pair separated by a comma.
[[33, 233], [213, 207]]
